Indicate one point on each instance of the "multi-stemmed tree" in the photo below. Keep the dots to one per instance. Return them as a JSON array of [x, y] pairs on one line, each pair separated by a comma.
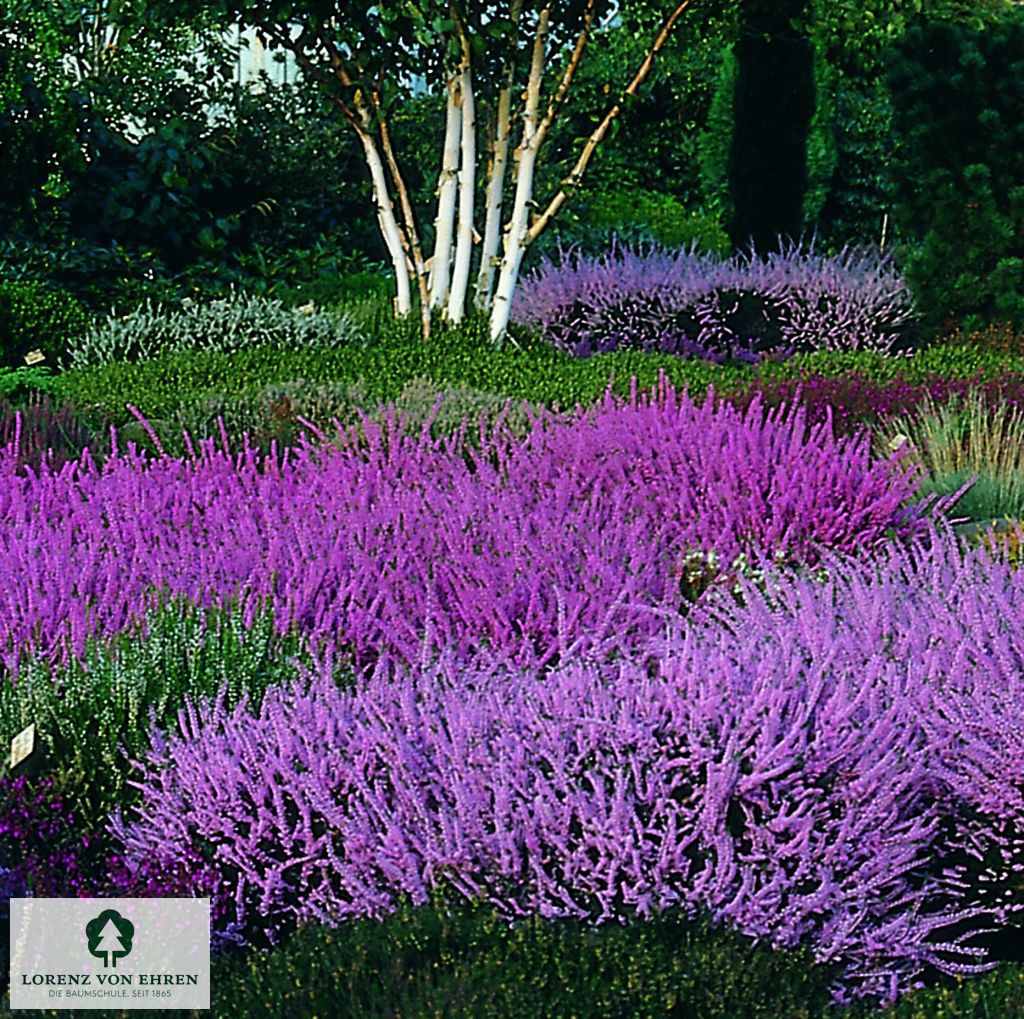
[[506, 70]]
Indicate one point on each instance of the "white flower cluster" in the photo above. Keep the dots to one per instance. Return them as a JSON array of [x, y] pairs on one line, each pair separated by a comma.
[[699, 567]]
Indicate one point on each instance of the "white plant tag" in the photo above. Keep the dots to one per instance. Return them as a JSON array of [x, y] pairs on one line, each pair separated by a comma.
[[23, 744]]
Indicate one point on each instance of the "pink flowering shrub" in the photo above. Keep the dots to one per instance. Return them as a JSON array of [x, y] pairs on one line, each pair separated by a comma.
[[402, 543], [810, 767], [697, 305]]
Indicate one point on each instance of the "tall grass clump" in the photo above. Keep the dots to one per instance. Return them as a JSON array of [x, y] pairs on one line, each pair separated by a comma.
[[961, 440]]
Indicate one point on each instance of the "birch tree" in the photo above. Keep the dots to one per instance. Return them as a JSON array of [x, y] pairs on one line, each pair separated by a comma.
[[505, 69]]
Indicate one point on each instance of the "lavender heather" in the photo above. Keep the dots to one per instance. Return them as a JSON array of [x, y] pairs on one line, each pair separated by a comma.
[[398, 543], [698, 306], [793, 765]]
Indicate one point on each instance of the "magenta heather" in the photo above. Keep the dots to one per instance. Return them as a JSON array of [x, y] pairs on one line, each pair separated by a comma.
[[405, 543], [790, 764]]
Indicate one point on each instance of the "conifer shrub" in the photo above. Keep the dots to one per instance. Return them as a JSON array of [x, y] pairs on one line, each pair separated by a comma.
[[958, 93]]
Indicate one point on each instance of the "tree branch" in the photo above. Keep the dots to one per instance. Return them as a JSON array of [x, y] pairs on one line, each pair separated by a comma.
[[570, 72], [541, 223]]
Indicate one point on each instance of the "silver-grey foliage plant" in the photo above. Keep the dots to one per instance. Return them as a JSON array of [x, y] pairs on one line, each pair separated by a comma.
[[225, 325]]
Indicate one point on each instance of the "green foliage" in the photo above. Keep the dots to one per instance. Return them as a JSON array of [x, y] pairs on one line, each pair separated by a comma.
[[74, 65], [34, 316], [653, 149], [18, 383], [958, 94], [453, 357], [861, 188], [157, 176], [277, 413], [267, 414], [85, 712], [461, 961], [233, 323], [465, 961], [956, 362], [997, 337], [298, 173], [1002, 539], [168, 194], [97, 276], [446, 408], [716, 138], [636, 217], [996, 995], [822, 143], [32, 128], [173, 387], [353, 289], [105, 277]]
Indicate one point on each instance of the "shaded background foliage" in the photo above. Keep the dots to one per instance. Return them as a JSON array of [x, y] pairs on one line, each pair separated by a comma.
[[958, 98], [145, 169]]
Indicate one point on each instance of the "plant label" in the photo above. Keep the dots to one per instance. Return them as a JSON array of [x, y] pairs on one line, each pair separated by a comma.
[[34, 357], [23, 744]]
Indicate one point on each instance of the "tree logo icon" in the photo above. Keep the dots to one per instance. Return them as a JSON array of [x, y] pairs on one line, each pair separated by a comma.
[[110, 937]]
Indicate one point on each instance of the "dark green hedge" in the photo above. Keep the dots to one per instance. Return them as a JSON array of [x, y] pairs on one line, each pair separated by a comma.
[[462, 962]]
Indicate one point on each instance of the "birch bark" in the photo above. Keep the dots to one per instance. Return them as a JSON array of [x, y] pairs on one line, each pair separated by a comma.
[[467, 198], [525, 160], [440, 272], [388, 224], [489, 260]]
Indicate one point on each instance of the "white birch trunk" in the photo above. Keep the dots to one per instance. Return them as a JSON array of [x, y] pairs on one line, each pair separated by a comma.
[[388, 224], [495, 193], [489, 260], [467, 197], [444, 225], [526, 159]]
